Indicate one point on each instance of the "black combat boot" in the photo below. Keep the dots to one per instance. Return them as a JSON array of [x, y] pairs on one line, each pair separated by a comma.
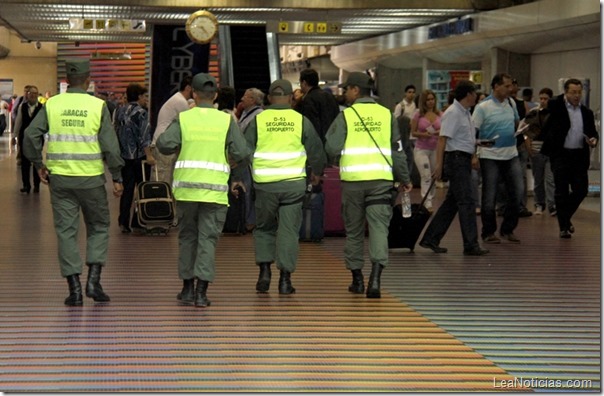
[[285, 283], [187, 294], [93, 285], [264, 278], [75, 291], [358, 283], [373, 287], [201, 300]]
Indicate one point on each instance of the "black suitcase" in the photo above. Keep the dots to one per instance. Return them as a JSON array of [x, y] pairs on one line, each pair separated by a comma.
[[312, 228], [236, 216], [155, 208], [405, 231]]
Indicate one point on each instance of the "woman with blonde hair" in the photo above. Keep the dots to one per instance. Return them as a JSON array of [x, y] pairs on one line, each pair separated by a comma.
[[425, 126]]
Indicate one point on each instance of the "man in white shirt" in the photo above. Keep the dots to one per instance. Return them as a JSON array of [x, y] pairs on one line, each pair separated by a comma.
[[167, 114], [406, 106]]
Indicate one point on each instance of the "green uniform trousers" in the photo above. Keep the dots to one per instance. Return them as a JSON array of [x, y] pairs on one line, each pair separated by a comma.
[[66, 205], [199, 226], [278, 221], [373, 205]]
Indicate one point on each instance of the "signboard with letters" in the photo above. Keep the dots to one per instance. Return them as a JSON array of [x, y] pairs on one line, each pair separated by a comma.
[[304, 27]]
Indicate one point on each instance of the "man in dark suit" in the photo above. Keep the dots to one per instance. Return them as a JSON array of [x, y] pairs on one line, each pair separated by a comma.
[[570, 132], [318, 106], [26, 112]]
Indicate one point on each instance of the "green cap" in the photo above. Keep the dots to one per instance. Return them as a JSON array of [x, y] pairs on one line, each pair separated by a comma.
[[280, 88], [358, 79], [77, 66], [204, 82]]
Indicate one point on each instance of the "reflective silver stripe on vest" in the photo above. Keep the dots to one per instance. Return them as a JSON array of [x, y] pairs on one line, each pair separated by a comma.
[[366, 167], [200, 186], [203, 165], [363, 150], [280, 156], [73, 138], [280, 171], [80, 157]]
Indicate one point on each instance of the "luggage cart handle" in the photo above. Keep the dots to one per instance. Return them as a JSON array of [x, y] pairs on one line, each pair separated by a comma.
[[427, 192], [143, 162]]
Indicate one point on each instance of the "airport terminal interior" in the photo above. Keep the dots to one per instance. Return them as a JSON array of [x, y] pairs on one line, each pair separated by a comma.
[[445, 322], [524, 318]]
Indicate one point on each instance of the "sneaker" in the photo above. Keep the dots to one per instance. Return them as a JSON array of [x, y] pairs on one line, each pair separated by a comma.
[[553, 212], [428, 206], [493, 239], [565, 234], [511, 237], [538, 211]]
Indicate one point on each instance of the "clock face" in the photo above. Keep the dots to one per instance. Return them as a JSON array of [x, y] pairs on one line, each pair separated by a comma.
[[201, 27]]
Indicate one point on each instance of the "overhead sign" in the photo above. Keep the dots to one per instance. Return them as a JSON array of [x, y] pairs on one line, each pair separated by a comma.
[[460, 26], [122, 25], [304, 27]]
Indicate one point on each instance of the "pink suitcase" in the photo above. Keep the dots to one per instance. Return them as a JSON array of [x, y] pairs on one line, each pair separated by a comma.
[[333, 222]]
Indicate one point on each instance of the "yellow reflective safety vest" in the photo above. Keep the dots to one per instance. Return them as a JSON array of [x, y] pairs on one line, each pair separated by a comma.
[[74, 121], [201, 172], [361, 159], [280, 154]]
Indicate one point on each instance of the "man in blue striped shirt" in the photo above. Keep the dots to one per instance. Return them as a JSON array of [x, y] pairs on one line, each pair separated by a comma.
[[496, 118]]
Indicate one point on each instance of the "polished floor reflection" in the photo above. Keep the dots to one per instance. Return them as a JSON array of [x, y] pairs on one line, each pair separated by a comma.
[[528, 312]]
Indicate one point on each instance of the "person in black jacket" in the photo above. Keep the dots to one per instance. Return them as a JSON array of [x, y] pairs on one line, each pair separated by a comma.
[[570, 132], [26, 112], [318, 106]]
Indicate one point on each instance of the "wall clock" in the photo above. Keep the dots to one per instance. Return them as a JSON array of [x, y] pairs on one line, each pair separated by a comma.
[[202, 27]]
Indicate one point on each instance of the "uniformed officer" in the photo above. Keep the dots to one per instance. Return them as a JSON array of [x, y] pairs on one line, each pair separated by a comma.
[[283, 140], [365, 139], [80, 137], [206, 137]]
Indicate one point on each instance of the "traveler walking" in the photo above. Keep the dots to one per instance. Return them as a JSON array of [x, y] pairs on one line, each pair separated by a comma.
[[364, 138], [80, 138], [205, 137]]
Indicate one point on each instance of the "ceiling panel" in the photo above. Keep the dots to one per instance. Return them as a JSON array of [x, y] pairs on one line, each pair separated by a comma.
[[49, 20]]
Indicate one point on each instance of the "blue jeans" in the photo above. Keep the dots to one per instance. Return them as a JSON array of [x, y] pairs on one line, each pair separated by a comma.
[[458, 169], [502, 196], [475, 187], [510, 172], [544, 181], [523, 157]]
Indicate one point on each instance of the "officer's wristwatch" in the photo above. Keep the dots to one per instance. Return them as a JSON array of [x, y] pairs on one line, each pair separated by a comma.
[[118, 180]]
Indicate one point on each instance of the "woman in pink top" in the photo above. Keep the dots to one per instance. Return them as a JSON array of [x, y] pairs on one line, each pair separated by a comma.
[[425, 126]]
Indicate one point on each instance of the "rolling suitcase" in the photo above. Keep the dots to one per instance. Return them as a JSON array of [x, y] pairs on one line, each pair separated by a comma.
[[404, 232], [236, 215], [312, 229], [154, 205], [332, 188]]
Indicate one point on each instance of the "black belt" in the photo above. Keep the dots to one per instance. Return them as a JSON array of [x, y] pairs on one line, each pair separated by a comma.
[[459, 153]]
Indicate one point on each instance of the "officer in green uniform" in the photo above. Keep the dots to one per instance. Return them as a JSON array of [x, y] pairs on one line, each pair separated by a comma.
[[206, 138], [364, 138], [283, 140], [80, 137]]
